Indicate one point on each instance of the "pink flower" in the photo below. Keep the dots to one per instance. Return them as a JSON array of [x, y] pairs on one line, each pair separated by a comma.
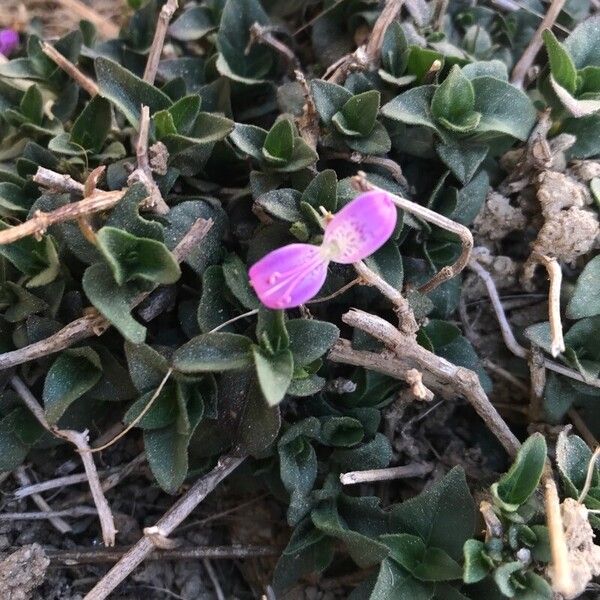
[[9, 40], [293, 274]]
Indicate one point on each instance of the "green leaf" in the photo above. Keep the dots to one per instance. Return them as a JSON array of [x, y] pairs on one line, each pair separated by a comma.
[[279, 143], [504, 109], [282, 204], [322, 191], [236, 278], [310, 339], [357, 116], [214, 308], [113, 301], [561, 64], [193, 24], [503, 576], [146, 366], [341, 432], [463, 160], [573, 457], [585, 301], [72, 374], [453, 102], [583, 44], [91, 128], [38, 260], [32, 105], [329, 98], [394, 583], [443, 515], [476, 565], [127, 91], [426, 564], [522, 479], [249, 139], [238, 59], [12, 449], [13, 199], [213, 352], [412, 107], [163, 412], [131, 257], [178, 118], [274, 373]]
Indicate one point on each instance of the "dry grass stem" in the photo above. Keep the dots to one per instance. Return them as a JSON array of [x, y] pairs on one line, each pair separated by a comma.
[[372, 475], [164, 18], [88, 84]]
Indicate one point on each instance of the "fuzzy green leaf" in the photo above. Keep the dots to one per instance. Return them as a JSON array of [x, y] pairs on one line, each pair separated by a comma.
[[213, 352], [274, 373]]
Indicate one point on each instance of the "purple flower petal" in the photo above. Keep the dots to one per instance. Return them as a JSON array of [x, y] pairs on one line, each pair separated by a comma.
[[360, 228], [9, 40], [289, 276]]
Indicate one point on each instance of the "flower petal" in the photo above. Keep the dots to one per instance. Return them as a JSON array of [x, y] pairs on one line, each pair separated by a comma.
[[289, 276], [360, 228], [9, 40]]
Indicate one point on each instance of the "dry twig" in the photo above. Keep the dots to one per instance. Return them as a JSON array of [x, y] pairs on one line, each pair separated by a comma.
[[171, 519], [59, 523], [79, 440], [555, 276], [164, 18], [401, 472], [88, 84], [521, 69], [105, 27], [508, 336], [466, 237], [403, 353]]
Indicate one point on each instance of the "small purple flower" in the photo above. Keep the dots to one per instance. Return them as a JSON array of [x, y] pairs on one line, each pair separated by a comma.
[[9, 40], [293, 274]]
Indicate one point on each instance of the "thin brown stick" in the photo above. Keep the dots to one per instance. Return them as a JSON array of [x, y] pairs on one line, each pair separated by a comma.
[[93, 323], [58, 182], [143, 173], [164, 18], [464, 234], [401, 472], [537, 378], [439, 375], [52, 484], [76, 512], [87, 556], [408, 324], [79, 440], [521, 69], [171, 519], [39, 223], [508, 336], [259, 34], [88, 84], [107, 523], [104, 26], [562, 578], [555, 276], [59, 523]]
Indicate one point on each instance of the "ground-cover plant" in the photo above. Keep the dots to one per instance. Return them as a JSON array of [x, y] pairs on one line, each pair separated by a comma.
[[188, 249]]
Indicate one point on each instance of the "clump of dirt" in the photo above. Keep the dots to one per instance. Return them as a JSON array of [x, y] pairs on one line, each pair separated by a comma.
[[22, 572]]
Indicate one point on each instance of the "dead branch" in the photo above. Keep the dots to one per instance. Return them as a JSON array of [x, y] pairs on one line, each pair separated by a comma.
[[143, 173], [401, 472], [76, 512], [88, 556], [79, 440], [93, 323], [88, 84], [406, 317], [52, 484], [171, 519], [555, 276], [259, 34], [164, 18], [508, 336], [58, 182], [39, 223], [442, 377], [466, 237], [366, 56], [521, 69], [59, 523]]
